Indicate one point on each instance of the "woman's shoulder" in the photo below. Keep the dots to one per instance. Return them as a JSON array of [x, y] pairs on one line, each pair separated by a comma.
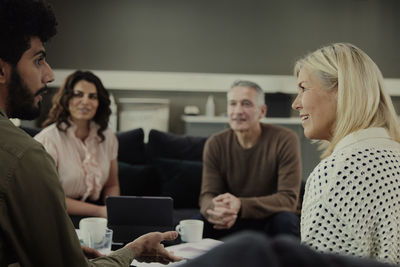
[[366, 149], [94, 128], [109, 137], [109, 133], [50, 131]]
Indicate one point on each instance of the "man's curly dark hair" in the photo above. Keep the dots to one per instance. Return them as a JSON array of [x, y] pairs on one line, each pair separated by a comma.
[[60, 113], [20, 20]]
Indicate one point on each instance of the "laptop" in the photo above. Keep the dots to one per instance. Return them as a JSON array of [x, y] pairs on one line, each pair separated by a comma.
[[132, 216]]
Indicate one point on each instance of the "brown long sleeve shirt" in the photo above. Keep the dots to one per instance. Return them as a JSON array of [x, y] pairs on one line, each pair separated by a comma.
[[266, 177]]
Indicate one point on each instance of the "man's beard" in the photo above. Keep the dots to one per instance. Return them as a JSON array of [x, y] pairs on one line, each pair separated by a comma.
[[21, 101]]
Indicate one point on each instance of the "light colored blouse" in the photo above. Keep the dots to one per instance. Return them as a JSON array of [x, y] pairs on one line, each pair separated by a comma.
[[83, 166], [351, 204]]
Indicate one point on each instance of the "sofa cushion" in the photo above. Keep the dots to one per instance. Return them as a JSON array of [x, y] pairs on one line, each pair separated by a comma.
[[138, 180], [131, 147], [181, 180], [167, 145]]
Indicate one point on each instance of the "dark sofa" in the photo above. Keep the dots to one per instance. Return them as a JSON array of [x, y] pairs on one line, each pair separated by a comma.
[[167, 165]]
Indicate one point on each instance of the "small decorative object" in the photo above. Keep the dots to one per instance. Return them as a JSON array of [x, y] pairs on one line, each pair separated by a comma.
[[210, 106], [191, 110]]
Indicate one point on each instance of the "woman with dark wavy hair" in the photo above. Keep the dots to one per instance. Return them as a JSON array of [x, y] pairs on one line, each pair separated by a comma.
[[83, 147]]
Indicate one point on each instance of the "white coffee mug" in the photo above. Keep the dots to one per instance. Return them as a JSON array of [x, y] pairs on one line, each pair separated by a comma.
[[92, 230], [190, 230]]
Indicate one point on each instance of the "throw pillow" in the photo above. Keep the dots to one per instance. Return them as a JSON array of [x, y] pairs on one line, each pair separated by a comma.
[[181, 180], [167, 145], [131, 147]]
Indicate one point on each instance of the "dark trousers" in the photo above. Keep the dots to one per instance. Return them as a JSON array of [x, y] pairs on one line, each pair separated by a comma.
[[257, 250], [281, 223]]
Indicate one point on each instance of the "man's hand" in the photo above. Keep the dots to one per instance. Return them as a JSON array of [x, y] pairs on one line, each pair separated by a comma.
[[147, 248], [229, 201], [90, 253], [222, 218], [225, 211]]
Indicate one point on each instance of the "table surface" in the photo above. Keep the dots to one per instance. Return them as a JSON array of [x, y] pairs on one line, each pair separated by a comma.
[[185, 250]]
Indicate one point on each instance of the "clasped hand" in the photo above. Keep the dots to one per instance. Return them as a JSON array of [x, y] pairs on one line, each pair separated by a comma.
[[225, 211]]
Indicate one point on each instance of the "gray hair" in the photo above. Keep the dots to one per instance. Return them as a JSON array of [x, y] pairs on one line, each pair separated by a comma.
[[260, 97]]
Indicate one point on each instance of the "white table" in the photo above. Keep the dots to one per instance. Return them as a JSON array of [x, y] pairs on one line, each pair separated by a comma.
[[185, 250]]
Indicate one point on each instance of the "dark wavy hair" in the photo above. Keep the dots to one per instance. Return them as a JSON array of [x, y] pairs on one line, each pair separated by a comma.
[[21, 20], [59, 112]]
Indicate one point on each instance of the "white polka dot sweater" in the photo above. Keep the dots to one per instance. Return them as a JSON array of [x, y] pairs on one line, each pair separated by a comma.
[[351, 205]]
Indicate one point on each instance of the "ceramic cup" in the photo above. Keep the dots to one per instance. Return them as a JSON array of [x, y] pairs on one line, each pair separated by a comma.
[[92, 231], [190, 230]]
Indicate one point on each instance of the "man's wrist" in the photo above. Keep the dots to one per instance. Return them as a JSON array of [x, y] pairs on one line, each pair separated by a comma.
[[135, 248]]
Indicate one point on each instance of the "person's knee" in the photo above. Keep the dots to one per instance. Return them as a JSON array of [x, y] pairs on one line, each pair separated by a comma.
[[247, 237], [285, 223], [286, 217]]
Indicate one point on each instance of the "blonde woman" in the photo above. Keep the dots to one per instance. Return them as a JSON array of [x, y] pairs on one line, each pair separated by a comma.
[[351, 205]]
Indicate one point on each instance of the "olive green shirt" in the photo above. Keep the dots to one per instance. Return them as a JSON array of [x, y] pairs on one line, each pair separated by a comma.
[[35, 229]]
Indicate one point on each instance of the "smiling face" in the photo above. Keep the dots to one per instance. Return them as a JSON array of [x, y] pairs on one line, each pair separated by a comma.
[[316, 105], [84, 102], [243, 111]]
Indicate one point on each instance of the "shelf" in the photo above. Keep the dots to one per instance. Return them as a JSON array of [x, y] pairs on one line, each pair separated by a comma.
[[195, 82], [220, 119]]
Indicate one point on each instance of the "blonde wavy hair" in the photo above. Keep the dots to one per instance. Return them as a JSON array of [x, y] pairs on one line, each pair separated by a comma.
[[362, 101]]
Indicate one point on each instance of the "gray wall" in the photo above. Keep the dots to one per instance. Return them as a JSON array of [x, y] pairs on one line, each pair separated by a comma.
[[216, 36], [219, 36]]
